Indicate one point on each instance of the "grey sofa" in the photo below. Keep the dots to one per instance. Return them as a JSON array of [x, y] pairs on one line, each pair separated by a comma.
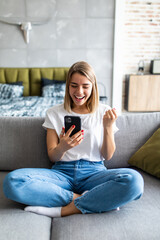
[[22, 144]]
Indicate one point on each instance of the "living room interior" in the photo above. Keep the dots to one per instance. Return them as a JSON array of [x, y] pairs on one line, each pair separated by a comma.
[[39, 41]]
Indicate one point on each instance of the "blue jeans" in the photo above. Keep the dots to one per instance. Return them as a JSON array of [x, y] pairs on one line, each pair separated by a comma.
[[107, 189]]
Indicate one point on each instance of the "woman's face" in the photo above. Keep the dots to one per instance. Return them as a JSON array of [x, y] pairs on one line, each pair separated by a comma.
[[80, 89]]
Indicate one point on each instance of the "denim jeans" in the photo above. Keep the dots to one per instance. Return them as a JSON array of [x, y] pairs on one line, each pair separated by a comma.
[[107, 188]]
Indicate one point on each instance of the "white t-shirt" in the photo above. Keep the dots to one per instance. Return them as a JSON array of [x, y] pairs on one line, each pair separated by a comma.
[[92, 124]]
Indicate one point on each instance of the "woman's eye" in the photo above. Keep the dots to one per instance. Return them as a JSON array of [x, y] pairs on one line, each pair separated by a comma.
[[84, 87]]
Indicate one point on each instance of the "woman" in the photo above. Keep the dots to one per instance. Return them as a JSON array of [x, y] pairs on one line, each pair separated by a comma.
[[78, 181]]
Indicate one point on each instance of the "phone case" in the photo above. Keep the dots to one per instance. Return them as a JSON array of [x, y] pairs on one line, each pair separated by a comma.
[[71, 120]]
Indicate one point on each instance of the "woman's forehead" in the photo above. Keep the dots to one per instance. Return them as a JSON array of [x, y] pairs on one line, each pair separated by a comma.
[[78, 78]]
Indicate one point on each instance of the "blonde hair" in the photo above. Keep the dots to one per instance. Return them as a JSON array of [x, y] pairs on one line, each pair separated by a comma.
[[86, 70]]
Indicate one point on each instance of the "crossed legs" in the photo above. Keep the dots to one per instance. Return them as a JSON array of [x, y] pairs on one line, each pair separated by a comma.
[[107, 190]]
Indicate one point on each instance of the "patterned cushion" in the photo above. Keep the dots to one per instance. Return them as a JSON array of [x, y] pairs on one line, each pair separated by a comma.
[[17, 83], [10, 91], [46, 81], [56, 90]]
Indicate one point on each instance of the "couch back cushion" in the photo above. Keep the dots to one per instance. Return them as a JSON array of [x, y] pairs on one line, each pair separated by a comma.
[[22, 143], [23, 140], [134, 130]]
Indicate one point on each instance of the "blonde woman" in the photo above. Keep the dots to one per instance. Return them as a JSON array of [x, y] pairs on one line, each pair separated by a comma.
[[78, 182]]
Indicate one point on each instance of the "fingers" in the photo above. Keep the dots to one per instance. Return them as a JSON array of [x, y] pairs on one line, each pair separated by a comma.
[[77, 137], [73, 141], [109, 118], [114, 112], [62, 132], [111, 114], [68, 133]]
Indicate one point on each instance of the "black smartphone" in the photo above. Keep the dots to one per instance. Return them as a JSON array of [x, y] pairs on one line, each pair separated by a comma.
[[71, 120]]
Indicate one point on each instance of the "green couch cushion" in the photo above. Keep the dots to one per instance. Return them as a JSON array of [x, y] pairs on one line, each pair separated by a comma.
[[12, 75], [147, 157], [51, 73]]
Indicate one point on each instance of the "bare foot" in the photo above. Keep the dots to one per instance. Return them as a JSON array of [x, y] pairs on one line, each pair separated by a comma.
[[71, 209]]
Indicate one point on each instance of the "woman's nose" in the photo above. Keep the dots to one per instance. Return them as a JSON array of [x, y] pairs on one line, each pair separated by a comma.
[[80, 90]]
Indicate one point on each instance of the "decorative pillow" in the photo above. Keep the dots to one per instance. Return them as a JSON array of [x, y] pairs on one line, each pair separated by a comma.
[[10, 91], [56, 90], [17, 83], [147, 157], [46, 81]]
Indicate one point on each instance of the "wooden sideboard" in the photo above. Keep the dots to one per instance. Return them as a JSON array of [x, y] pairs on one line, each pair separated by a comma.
[[143, 93]]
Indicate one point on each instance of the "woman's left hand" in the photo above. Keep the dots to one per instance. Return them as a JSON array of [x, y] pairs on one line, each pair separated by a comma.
[[109, 118]]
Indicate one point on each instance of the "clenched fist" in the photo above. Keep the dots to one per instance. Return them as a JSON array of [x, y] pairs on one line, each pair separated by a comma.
[[109, 118]]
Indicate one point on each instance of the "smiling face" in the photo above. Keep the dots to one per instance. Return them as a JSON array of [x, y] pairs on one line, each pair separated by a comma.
[[80, 89], [81, 93]]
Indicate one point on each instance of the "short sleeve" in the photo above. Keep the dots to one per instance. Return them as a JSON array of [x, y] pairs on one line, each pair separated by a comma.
[[115, 128], [47, 123]]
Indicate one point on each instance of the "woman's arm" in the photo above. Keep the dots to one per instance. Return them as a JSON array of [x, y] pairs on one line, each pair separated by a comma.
[[54, 150], [56, 147], [108, 145]]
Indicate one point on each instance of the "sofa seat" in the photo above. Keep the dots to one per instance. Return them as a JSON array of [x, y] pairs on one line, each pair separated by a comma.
[[16, 224], [136, 220]]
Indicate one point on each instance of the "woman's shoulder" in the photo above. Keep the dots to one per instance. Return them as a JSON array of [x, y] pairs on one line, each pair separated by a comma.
[[56, 109]]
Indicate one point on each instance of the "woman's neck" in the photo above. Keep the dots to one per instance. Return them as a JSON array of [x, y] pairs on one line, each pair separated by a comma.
[[80, 109]]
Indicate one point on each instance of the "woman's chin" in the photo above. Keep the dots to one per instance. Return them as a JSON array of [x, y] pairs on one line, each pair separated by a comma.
[[79, 101]]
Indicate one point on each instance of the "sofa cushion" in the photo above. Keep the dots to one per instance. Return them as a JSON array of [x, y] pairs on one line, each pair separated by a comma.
[[134, 131], [15, 223], [30, 138], [147, 157], [23, 143], [138, 220]]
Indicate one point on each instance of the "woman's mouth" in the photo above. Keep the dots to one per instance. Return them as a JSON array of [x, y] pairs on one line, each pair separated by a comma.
[[78, 98]]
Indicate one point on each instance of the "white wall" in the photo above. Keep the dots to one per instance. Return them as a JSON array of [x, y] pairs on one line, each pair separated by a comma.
[[137, 37], [78, 30]]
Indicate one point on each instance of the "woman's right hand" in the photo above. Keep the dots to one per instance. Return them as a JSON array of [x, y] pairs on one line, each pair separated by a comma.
[[68, 142]]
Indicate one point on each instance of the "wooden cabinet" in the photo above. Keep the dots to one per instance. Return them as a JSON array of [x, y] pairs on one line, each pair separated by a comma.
[[144, 93]]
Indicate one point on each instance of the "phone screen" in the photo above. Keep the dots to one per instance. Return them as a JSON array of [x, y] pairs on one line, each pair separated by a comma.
[[71, 120]]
